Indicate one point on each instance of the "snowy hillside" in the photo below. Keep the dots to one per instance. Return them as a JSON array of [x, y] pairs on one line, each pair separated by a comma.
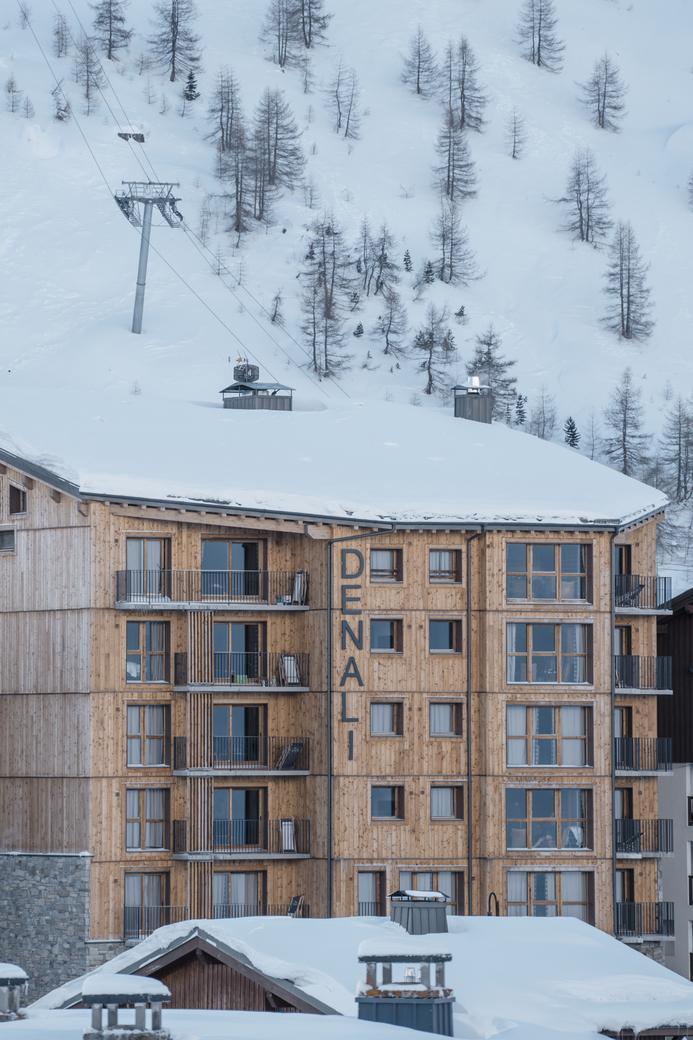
[[69, 257]]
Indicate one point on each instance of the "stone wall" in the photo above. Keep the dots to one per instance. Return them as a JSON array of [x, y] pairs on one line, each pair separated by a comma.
[[44, 910]]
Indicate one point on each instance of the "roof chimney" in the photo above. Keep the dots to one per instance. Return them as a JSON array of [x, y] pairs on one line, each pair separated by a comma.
[[420, 913], [474, 401]]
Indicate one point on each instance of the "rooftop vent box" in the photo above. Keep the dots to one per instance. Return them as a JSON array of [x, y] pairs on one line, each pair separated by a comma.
[[420, 913], [474, 401]]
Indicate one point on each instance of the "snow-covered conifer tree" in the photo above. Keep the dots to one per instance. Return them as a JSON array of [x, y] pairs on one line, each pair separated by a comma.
[[571, 434], [434, 344], [494, 369]]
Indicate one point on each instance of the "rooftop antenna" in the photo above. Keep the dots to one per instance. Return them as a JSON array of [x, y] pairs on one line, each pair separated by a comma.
[[137, 201]]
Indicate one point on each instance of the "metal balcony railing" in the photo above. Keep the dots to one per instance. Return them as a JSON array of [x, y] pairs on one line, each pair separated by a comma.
[[240, 669], [643, 754], [642, 673], [644, 837], [642, 592], [640, 920], [376, 909], [274, 588], [256, 910], [140, 921], [286, 837], [265, 754]]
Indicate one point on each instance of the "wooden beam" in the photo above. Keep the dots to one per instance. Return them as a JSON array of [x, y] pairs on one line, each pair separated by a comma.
[[174, 515]]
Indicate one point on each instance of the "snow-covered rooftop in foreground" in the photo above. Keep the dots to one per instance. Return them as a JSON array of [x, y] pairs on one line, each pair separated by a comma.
[[513, 978], [215, 1025], [370, 461]]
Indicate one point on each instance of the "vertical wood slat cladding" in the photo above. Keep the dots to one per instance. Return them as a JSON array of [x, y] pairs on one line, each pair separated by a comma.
[[200, 643], [199, 981], [45, 652], [199, 881], [58, 728], [44, 814]]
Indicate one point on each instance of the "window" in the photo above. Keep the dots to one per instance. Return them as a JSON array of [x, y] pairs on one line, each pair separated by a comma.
[[444, 636], [548, 736], [238, 657], [386, 635], [231, 570], [387, 803], [147, 651], [386, 565], [146, 903], [17, 500], [238, 734], [445, 719], [386, 719], [148, 734], [625, 885], [147, 568], [449, 882], [690, 813], [542, 571], [147, 818], [548, 653], [445, 565], [238, 893], [548, 818], [370, 892], [540, 893], [238, 817], [447, 803], [7, 541]]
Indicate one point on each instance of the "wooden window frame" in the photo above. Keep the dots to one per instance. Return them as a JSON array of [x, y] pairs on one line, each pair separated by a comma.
[[145, 654], [165, 875], [10, 549], [400, 801], [143, 736], [261, 876], [456, 632], [393, 575], [381, 890], [530, 736], [22, 493], [558, 653], [141, 820], [458, 803], [556, 820], [529, 903], [449, 576], [398, 636], [457, 711], [557, 573], [398, 717]]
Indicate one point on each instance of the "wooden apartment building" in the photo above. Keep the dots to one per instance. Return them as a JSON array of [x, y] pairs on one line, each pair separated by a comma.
[[207, 712]]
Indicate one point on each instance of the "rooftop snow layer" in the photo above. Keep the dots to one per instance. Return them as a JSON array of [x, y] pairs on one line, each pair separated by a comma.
[[518, 978], [117, 984], [11, 971], [369, 461]]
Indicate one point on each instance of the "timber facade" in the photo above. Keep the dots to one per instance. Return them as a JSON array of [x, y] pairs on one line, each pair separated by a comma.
[[222, 712]]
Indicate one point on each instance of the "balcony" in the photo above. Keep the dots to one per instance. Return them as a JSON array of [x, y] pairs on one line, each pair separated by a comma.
[[642, 675], [639, 921], [141, 921], [235, 672], [642, 755], [246, 839], [220, 590], [640, 594], [644, 837], [231, 910], [237, 756]]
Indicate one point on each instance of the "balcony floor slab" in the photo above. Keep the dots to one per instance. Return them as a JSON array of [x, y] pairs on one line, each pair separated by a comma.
[[211, 771], [238, 688], [230, 606], [226, 857]]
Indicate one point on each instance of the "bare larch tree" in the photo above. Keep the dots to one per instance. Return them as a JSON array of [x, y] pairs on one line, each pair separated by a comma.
[[603, 94], [88, 72], [629, 307], [420, 72], [515, 134], [110, 26], [434, 343], [585, 201], [174, 45], [537, 33], [624, 443], [455, 173]]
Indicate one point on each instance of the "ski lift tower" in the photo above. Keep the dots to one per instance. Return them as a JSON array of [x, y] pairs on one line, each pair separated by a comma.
[[137, 201]]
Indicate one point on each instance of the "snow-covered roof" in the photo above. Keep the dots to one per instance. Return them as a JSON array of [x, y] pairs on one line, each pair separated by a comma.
[[513, 978], [404, 946], [376, 462], [12, 971], [116, 984]]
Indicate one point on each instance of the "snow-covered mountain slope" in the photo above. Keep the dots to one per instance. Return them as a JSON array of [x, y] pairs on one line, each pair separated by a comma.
[[68, 257]]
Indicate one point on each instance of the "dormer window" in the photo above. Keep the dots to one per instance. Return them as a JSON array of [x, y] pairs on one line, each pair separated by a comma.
[[17, 500]]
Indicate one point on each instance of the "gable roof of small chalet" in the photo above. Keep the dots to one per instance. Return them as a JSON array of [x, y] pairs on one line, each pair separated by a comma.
[[194, 940]]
